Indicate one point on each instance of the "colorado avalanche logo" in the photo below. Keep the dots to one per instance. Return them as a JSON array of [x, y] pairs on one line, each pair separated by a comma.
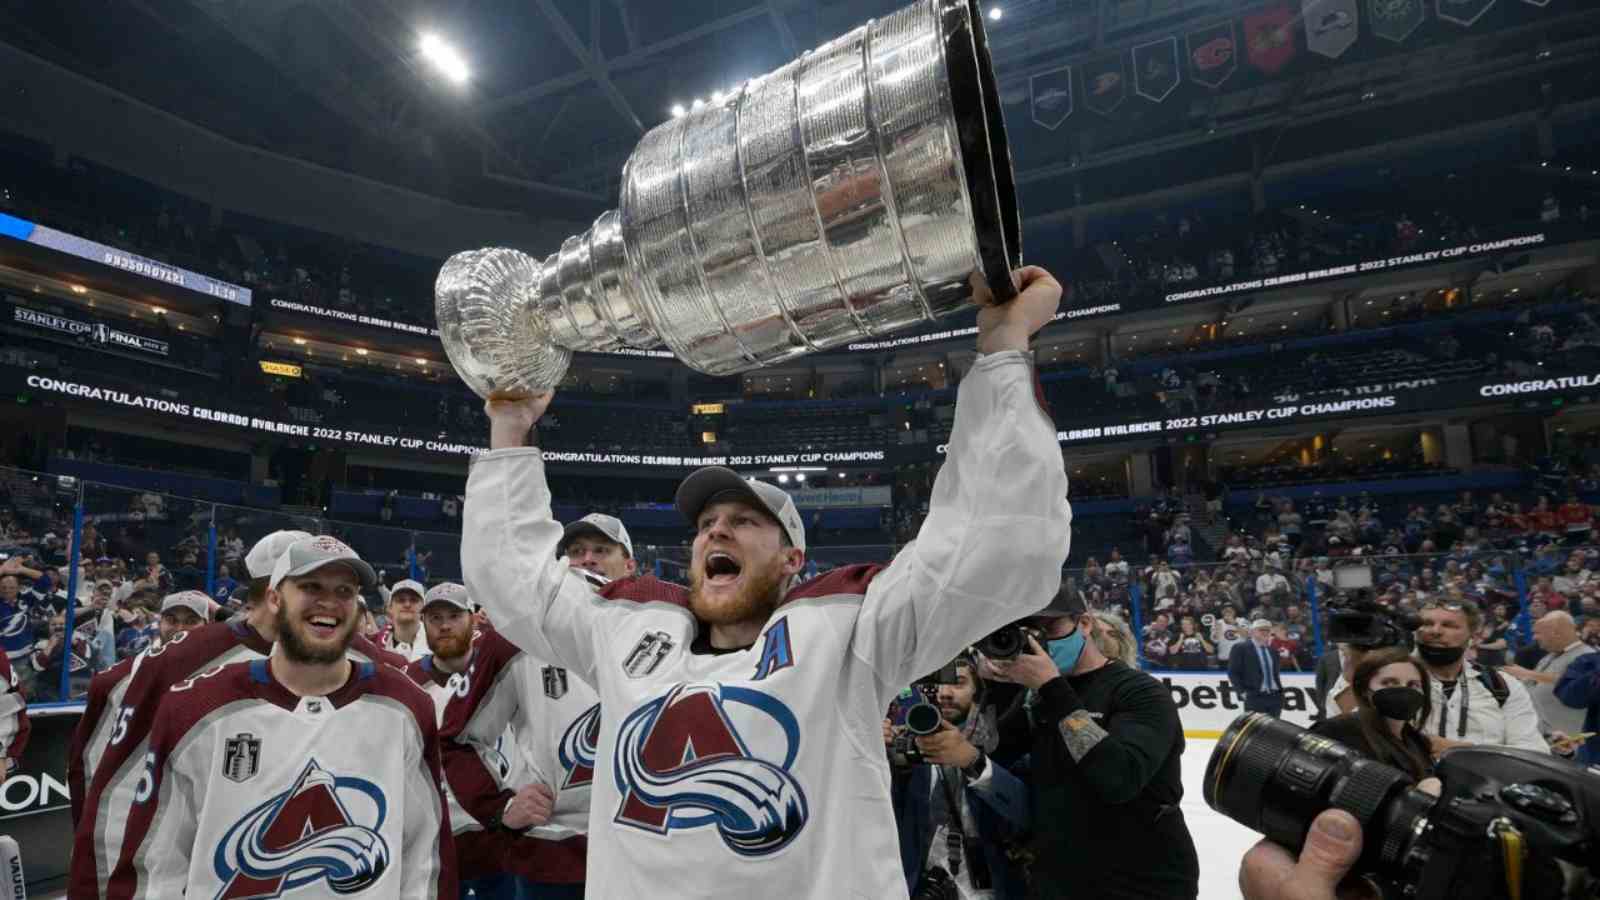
[[306, 835], [579, 745], [681, 763]]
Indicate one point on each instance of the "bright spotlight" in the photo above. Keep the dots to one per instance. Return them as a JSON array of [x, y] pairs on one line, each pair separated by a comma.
[[716, 96], [445, 58], [801, 478], [698, 103], [995, 13], [783, 479], [678, 110]]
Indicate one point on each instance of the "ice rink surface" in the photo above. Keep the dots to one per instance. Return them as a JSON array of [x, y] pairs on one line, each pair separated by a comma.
[[1219, 841]]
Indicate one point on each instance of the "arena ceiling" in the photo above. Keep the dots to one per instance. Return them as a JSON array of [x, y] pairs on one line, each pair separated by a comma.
[[562, 89]]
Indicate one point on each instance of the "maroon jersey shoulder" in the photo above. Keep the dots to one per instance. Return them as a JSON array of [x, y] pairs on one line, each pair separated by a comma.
[[188, 653], [378, 654], [646, 589], [102, 683], [191, 700], [395, 683], [845, 581]]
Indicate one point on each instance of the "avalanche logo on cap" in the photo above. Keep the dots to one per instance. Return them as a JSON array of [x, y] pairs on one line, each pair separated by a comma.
[[712, 756], [307, 834], [329, 544]]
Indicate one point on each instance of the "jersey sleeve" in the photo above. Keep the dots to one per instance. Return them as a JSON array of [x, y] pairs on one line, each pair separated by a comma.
[[428, 859], [78, 762], [13, 715], [165, 813], [508, 558], [475, 720], [996, 535]]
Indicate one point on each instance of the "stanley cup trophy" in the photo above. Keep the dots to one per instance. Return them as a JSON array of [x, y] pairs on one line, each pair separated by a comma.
[[851, 193]]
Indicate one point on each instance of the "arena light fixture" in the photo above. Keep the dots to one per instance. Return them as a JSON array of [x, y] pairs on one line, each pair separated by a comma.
[[801, 478], [678, 111], [996, 13], [300, 342], [79, 289], [361, 351], [444, 58], [783, 479], [159, 310]]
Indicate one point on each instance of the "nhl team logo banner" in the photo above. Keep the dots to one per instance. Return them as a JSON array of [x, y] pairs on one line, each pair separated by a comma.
[[1465, 13], [1155, 69], [1269, 38], [1394, 20], [1105, 83], [1213, 54], [1050, 96], [1331, 25]]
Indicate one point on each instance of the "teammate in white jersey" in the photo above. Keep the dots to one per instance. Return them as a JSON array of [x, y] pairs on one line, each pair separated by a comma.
[[404, 634], [14, 725], [181, 612], [741, 751], [302, 774]]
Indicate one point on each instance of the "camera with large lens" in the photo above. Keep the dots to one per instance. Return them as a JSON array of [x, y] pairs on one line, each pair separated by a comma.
[[917, 710], [1008, 641], [1365, 624], [1504, 821]]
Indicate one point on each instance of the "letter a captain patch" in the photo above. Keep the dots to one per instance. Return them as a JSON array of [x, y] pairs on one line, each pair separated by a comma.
[[776, 653]]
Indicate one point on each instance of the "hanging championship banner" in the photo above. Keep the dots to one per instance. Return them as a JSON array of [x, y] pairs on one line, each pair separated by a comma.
[[1394, 20], [1155, 69], [1331, 25], [1465, 13], [1213, 54], [1105, 83], [1050, 97], [1269, 38]]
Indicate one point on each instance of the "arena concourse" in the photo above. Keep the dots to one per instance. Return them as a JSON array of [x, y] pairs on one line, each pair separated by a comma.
[[1332, 320]]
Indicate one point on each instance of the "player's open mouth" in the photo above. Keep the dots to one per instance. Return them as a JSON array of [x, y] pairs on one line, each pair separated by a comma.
[[722, 568], [323, 626]]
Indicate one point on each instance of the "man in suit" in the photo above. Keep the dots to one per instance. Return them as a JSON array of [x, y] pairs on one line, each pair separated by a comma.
[[1253, 670], [958, 809]]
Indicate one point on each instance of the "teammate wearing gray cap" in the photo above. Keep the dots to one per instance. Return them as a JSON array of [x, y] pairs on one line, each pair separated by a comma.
[[404, 635], [599, 544], [740, 752]]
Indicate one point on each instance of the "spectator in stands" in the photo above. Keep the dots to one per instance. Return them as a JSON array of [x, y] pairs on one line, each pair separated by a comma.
[[1163, 584], [1575, 518], [1544, 591], [1190, 650], [1558, 636], [1158, 640], [1226, 631], [1271, 585], [1289, 649], [1493, 638], [1290, 523], [1591, 631], [156, 573], [225, 583]]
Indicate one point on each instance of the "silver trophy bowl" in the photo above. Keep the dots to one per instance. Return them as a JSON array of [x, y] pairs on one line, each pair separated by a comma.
[[851, 193]]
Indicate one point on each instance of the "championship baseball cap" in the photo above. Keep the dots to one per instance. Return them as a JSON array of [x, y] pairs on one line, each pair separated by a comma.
[[261, 558], [1260, 623], [706, 483], [408, 585], [450, 593], [193, 601], [306, 556], [608, 527], [1064, 603]]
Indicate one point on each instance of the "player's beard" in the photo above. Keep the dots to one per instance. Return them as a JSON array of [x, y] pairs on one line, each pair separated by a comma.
[[297, 647], [755, 600], [452, 646]]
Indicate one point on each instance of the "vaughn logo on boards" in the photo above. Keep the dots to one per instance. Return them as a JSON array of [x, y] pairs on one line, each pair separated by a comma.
[[97, 332]]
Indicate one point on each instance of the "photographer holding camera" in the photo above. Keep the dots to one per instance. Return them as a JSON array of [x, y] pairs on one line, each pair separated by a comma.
[[957, 811], [1103, 748], [1473, 705]]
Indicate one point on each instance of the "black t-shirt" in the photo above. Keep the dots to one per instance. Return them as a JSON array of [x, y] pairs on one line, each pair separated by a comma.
[[1108, 823], [1495, 658]]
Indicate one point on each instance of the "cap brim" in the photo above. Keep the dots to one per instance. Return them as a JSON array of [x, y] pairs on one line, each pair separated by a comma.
[[439, 601], [705, 483]]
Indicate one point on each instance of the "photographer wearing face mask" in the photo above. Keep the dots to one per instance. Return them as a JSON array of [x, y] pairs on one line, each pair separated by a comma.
[[1391, 693], [1104, 750], [1470, 705], [957, 811]]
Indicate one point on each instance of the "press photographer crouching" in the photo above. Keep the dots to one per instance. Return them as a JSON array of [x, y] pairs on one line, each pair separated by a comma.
[[1100, 746], [957, 811]]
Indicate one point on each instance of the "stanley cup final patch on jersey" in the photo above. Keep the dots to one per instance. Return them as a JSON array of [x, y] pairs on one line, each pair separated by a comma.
[[646, 655], [555, 682], [241, 757]]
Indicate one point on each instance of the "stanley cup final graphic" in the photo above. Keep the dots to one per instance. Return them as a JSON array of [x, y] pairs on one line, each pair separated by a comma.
[[853, 192]]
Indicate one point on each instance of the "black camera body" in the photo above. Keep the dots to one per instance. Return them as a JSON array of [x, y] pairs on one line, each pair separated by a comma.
[[1009, 641], [918, 707], [1502, 820], [1366, 625]]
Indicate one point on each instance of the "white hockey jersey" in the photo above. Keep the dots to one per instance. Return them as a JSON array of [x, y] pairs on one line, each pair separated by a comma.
[[252, 791], [761, 772], [553, 716], [112, 780]]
